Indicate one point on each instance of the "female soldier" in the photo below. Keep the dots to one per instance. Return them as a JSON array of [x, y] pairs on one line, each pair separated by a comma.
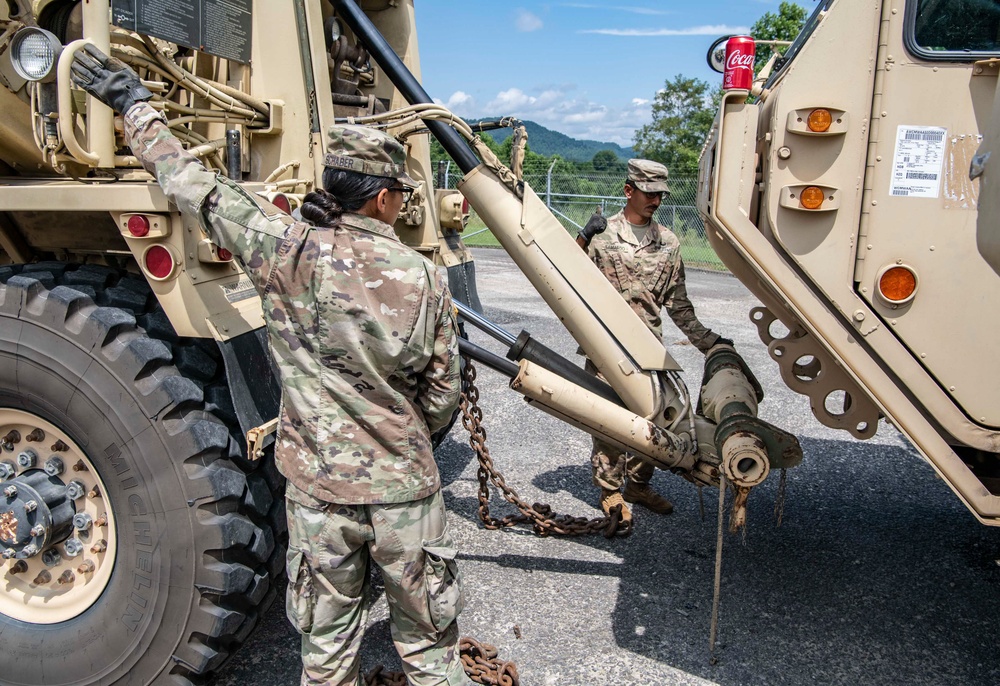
[[361, 328]]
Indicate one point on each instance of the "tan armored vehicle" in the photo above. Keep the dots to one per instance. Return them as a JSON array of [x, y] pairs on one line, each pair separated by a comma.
[[141, 520], [856, 196]]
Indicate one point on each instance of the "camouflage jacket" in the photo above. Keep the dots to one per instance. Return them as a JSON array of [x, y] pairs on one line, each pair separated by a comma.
[[650, 276], [361, 328]]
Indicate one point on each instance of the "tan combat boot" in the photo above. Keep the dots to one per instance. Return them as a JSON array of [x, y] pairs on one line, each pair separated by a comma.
[[611, 498], [643, 495]]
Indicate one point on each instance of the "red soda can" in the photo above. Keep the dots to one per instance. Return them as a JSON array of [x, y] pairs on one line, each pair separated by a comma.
[[740, 53]]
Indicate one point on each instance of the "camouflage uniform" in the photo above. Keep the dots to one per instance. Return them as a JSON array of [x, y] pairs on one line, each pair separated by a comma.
[[362, 331], [650, 276]]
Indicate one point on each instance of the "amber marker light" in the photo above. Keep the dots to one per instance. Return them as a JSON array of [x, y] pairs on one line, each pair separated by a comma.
[[897, 284], [819, 120], [811, 197]]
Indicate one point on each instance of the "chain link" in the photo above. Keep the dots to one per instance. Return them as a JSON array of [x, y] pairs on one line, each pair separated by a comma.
[[479, 660], [540, 516]]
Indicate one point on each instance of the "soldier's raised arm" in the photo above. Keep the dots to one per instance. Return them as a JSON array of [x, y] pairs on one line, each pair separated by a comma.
[[250, 228]]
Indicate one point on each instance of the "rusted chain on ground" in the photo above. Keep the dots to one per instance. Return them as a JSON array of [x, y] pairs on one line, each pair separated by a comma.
[[540, 516], [479, 660], [482, 665]]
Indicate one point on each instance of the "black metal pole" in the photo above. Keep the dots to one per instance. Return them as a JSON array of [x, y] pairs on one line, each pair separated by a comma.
[[491, 360], [379, 48]]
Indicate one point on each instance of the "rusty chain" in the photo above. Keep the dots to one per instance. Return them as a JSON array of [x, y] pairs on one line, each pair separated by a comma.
[[540, 516], [479, 660]]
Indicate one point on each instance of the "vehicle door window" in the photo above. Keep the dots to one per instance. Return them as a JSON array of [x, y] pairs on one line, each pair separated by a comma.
[[953, 29]]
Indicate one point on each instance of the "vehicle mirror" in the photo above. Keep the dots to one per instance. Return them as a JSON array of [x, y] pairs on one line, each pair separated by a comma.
[[717, 54]]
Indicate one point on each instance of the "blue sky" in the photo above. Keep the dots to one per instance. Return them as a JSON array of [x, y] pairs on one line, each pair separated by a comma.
[[587, 69]]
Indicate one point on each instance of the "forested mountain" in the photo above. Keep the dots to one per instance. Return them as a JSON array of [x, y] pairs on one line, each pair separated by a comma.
[[547, 142]]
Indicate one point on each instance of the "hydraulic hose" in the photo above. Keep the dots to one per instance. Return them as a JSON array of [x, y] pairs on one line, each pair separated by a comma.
[[404, 81]]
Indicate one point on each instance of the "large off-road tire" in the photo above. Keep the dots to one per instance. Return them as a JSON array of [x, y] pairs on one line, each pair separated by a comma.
[[142, 423]]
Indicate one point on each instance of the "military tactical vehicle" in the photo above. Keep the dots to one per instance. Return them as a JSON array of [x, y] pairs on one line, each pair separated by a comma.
[[140, 516], [854, 194], [140, 533]]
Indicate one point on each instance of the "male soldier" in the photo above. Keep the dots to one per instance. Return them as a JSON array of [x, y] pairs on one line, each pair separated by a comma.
[[361, 328], [642, 259]]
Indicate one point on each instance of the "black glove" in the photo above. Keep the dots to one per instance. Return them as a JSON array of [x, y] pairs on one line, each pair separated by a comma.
[[108, 79], [595, 225]]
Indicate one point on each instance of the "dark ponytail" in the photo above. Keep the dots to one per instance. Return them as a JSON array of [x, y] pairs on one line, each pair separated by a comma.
[[321, 208], [343, 191]]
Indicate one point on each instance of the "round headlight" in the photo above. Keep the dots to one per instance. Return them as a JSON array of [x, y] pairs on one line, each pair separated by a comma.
[[34, 53]]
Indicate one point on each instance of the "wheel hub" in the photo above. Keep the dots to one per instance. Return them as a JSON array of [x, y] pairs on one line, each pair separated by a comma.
[[57, 532], [34, 513]]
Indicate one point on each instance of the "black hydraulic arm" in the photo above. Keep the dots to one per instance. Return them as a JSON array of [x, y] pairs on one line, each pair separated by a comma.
[[404, 81]]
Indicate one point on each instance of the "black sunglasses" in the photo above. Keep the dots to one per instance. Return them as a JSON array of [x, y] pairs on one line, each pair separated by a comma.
[[662, 195], [407, 192]]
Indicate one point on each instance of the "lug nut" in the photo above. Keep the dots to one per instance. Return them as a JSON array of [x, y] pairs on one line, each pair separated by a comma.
[[12, 436], [30, 506], [51, 557], [59, 447], [43, 578], [74, 490], [73, 547], [7, 470], [19, 567], [102, 520], [8, 553], [79, 466], [30, 550], [95, 492], [10, 491], [99, 547], [38, 530], [26, 458], [9, 447], [35, 436], [87, 567], [54, 466], [67, 577], [82, 521]]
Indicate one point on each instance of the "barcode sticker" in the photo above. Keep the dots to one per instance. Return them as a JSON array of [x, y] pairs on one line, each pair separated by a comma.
[[916, 164], [925, 136]]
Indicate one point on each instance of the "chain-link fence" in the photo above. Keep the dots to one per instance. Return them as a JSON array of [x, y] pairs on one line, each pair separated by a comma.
[[573, 198]]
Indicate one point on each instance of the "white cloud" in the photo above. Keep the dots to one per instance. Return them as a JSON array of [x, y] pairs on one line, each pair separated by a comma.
[[616, 8], [459, 100], [561, 109], [715, 30], [526, 21]]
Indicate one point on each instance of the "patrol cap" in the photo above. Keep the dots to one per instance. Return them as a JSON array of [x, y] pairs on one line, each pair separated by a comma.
[[367, 151], [648, 176]]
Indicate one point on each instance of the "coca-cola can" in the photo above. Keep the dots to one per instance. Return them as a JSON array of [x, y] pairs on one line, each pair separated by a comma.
[[740, 53]]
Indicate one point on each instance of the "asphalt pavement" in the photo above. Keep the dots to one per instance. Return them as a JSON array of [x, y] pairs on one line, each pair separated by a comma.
[[877, 574]]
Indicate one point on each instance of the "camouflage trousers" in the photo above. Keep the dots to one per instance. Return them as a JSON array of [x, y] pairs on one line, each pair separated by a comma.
[[611, 464], [329, 550]]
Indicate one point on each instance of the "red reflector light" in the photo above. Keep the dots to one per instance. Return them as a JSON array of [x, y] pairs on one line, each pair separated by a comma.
[[159, 262], [465, 205], [282, 203], [224, 254], [138, 225]]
